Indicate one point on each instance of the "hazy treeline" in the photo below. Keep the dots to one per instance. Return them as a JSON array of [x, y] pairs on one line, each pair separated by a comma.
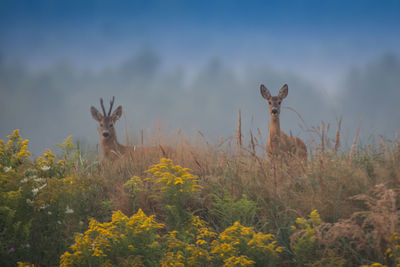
[[50, 104]]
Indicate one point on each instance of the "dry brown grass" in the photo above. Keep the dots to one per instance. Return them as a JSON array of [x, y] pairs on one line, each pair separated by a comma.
[[365, 232], [325, 181]]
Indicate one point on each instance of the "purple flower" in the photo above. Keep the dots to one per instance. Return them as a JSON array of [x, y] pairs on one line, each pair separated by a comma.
[[28, 245], [12, 250]]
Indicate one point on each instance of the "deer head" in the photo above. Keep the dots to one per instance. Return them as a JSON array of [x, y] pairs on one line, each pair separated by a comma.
[[107, 120], [274, 102]]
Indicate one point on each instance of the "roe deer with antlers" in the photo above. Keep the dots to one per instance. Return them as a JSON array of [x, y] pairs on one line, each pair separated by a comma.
[[278, 142], [113, 150]]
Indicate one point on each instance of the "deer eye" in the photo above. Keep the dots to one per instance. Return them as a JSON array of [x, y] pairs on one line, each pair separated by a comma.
[[279, 102], [111, 125], [101, 125], [269, 102]]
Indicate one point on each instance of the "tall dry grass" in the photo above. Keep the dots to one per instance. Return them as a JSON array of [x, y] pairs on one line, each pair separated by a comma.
[[329, 177]]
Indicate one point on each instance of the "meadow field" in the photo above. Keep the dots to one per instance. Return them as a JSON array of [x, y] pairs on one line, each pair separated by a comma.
[[307, 173], [210, 204]]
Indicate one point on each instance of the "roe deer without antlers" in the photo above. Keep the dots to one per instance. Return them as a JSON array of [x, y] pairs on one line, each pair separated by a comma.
[[278, 142], [113, 150]]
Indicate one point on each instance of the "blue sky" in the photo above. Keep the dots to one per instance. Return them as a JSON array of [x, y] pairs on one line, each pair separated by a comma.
[[96, 34], [216, 47]]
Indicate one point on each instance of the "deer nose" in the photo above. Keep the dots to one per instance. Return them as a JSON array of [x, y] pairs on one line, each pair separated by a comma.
[[274, 111], [105, 134]]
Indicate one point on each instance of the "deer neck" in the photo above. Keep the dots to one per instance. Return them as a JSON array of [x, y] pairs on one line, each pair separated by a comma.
[[275, 128], [109, 145]]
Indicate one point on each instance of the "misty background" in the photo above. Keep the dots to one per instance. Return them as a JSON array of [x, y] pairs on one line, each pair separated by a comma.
[[191, 65]]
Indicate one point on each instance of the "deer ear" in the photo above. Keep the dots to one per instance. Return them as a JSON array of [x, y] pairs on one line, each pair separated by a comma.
[[283, 92], [117, 113], [265, 92], [96, 114]]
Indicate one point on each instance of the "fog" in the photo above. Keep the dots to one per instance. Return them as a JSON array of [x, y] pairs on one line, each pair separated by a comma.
[[371, 97], [52, 103]]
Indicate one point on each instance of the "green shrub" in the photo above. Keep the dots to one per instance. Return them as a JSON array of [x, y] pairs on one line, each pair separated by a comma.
[[225, 210]]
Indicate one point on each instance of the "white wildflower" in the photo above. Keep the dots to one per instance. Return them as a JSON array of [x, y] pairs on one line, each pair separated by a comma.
[[29, 201], [39, 179], [49, 212], [24, 180], [45, 168], [35, 191], [59, 222], [68, 210], [31, 173], [7, 169], [44, 206]]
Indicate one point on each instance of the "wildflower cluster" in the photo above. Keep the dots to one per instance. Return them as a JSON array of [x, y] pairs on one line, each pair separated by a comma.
[[15, 222], [51, 165], [40, 201], [242, 246], [48, 166], [174, 179], [70, 156], [47, 160], [14, 153], [236, 246], [305, 242], [134, 184], [176, 186], [375, 264], [25, 264], [124, 237], [191, 247], [393, 253], [53, 191]]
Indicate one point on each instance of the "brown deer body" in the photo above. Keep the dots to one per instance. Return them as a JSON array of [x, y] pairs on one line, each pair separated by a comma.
[[278, 142], [110, 146]]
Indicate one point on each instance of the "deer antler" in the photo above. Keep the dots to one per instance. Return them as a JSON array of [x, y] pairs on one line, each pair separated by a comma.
[[111, 105], [102, 106]]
